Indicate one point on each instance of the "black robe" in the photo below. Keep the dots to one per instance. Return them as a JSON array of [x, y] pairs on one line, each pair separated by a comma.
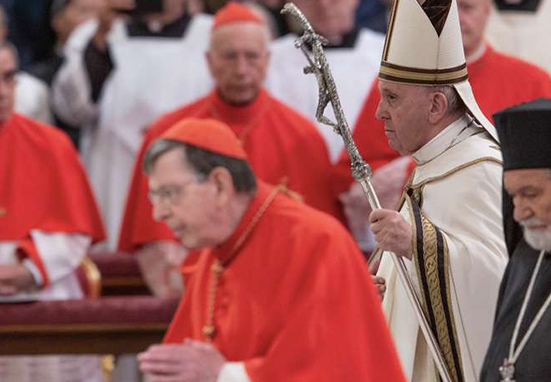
[[534, 362]]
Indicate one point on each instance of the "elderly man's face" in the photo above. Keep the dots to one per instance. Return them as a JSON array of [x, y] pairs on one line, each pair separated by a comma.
[[473, 17], [8, 70], [531, 193], [404, 111], [238, 59], [182, 201]]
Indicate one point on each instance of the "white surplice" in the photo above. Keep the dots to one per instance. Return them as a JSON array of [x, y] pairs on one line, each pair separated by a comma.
[[354, 70], [151, 76], [458, 175], [32, 98], [61, 254]]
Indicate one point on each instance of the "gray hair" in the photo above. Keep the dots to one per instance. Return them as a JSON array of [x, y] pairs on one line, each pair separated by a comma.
[[202, 162], [455, 103]]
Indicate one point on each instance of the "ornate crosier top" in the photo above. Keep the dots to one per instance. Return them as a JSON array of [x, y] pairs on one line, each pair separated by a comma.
[[317, 64]]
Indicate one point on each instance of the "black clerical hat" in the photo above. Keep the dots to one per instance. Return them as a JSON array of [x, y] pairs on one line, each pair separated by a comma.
[[525, 135]]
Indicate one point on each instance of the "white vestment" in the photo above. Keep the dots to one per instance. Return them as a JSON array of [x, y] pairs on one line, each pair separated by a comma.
[[458, 183], [61, 254], [354, 70], [151, 76], [523, 34], [32, 98]]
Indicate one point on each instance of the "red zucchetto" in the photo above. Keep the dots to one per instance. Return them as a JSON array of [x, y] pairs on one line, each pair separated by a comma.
[[233, 13], [207, 134]]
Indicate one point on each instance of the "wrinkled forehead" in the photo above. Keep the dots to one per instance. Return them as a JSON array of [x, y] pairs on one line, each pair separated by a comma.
[[529, 177], [399, 88]]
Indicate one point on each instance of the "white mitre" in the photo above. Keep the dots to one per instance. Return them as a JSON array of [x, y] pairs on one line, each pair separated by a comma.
[[417, 53]]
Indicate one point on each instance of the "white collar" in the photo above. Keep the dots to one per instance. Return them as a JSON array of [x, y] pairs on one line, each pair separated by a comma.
[[456, 132]]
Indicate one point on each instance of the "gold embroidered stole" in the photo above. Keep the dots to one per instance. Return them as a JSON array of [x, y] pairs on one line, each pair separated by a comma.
[[431, 259]]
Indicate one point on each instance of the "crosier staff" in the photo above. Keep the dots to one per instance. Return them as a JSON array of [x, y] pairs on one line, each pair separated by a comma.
[[361, 171]]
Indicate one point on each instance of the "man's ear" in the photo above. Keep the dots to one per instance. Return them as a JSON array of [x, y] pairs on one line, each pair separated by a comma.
[[438, 107], [223, 183]]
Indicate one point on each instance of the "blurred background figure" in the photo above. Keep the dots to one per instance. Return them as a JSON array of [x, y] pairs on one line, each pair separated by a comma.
[[64, 16], [32, 97], [522, 28], [373, 14], [352, 53], [139, 60], [29, 30]]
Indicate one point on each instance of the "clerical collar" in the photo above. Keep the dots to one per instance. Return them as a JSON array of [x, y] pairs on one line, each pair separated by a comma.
[[456, 132], [227, 251], [176, 29], [238, 115]]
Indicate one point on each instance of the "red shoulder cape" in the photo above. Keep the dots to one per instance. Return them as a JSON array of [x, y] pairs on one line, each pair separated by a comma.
[[44, 185], [295, 304]]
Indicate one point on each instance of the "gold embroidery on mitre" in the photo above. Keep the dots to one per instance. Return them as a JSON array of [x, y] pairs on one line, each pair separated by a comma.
[[2, 212]]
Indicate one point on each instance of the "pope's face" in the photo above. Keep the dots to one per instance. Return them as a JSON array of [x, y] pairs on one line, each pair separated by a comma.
[[8, 69], [404, 111], [238, 59], [183, 201], [473, 17], [531, 193]]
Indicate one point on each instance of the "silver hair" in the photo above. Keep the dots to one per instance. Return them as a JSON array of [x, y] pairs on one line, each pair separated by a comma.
[[202, 162], [455, 103]]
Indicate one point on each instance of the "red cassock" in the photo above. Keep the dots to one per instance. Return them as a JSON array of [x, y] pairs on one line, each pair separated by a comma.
[[295, 301], [281, 145], [43, 186], [498, 81]]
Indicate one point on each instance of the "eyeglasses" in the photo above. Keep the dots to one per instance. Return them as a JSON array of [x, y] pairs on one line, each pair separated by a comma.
[[169, 194]]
